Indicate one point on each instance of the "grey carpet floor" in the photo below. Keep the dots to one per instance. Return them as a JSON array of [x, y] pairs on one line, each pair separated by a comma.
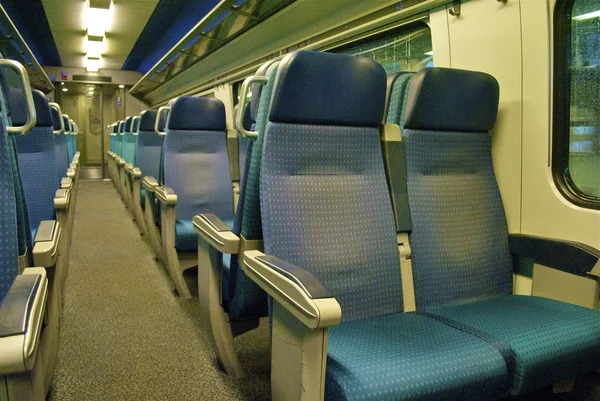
[[124, 335]]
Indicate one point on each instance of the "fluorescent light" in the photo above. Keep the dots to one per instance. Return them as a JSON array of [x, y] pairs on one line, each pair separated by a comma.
[[429, 53], [65, 89], [62, 83], [98, 20], [91, 92], [121, 86], [94, 47], [93, 63], [593, 14]]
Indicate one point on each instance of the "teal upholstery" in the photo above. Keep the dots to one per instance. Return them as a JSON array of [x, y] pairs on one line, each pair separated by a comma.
[[550, 340], [410, 357]]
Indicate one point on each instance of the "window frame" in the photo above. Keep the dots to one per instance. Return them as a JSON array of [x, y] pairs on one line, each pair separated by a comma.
[[561, 105]]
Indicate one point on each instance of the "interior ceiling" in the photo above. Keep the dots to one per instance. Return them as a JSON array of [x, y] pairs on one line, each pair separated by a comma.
[[67, 23]]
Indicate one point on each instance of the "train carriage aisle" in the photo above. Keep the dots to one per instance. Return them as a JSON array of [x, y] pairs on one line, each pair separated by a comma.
[[124, 335]]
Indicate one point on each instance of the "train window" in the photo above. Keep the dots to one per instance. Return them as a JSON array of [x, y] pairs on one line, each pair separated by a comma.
[[576, 131], [407, 50]]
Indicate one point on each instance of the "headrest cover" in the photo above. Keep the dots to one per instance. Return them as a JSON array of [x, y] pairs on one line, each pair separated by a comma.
[[67, 124], [445, 99], [127, 124], [147, 120], [42, 109], [248, 120], [196, 114], [328, 89], [55, 118], [18, 107], [120, 128]]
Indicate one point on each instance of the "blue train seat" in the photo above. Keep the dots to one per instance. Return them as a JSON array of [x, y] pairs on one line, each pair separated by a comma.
[[195, 178], [462, 254], [243, 142], [60, 144], [331, 253], [232, 304]]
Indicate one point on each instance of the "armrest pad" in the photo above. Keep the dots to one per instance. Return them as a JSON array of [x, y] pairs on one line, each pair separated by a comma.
[[136, 172], [569, 257], [166, 195], [128, 167], [70, 173], [66, 183], [121, 161], [149, 183], [46, 243], [62, 198], [21, 316], [74, 164], [218, 234], [296, 289]]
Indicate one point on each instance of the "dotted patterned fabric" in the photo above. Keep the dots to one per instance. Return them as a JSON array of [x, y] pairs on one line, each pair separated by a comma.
[[71, 146], [196, 166], [326, 208], [8, 215], [23, 227], [119, 145], [398, 97], [62, 156], [550, 340], [460, 237], [39, 172], [410, 357], [129, 145], [246, 299], [147, 153]]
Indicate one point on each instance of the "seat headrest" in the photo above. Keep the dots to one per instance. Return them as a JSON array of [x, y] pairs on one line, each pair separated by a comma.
[[135, 125], [196, 114], [328, 89], [446, 99], [42, 109], [127, 125], [121, 127], [115, 127], [147, 120], [67, 124], [55, 118], [247, 119], [17, 107]]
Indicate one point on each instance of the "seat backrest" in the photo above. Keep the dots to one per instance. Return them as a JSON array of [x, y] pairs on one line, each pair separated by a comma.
[[242, 297], [60, 144], [398, 87], [37, 158], [119, 138], [460, 238], [9, 266], [243, 142], [128, 141], [149, 144], [68, 131], [195, 159], [324, 197]]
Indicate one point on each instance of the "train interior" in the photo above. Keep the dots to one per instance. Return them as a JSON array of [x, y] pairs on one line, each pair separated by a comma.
[[300, 200]]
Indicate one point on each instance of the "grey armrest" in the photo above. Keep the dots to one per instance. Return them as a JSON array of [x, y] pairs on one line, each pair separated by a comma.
[[128, 167], [569, 257], [166, 195], [71, 173], [21, 317], [46, 243], [149, 183], [121, 161], [218, 234], [66, 183], [62, 198], [296, 289], [136, 172]]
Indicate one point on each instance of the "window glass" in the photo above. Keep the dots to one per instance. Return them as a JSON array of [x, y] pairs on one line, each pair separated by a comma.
[[584, 68], [409, 50]]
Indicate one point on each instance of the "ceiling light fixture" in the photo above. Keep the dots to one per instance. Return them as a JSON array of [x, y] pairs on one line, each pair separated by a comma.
[[98, 20], [62, 83], [93, 63], [121, 86], [94, 46], [65, 89]]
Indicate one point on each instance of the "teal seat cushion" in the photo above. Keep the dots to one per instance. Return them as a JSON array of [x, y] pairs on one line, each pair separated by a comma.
[[186, 239], [549, 340], [411, 357]]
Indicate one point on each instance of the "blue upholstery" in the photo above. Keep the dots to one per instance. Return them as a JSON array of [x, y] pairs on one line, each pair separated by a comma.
[[326, 208], [398, 99], [23, 227], [410, 357], [297, 103], [195, 163], [550, 340], [119, 139], [462, 267], [128, 141], [244, 143], [38, 166], [149, 144], [9, 247], [60, 145], [196, 114]]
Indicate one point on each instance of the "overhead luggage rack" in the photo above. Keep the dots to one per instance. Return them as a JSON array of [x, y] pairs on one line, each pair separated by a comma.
[[228, 20], [13, 46]]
